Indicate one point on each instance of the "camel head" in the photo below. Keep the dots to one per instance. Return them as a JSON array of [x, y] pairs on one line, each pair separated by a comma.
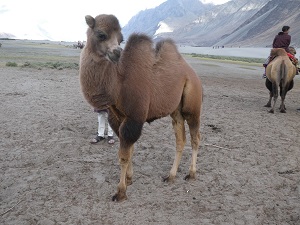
[[104, 36]]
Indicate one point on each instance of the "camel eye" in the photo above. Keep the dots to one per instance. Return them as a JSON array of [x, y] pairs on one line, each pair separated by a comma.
[[101, 36], [121, 39]]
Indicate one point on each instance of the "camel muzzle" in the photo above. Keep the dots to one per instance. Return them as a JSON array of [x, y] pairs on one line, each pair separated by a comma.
[[114, 56]]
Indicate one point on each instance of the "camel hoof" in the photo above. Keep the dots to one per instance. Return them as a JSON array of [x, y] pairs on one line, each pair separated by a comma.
[[168, 179], [271, 111], [282, 111], [118, 197], [267, 105], [190, 177]]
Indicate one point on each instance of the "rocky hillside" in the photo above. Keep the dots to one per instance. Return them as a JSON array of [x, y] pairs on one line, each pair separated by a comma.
[[4, 35], [252, 23]]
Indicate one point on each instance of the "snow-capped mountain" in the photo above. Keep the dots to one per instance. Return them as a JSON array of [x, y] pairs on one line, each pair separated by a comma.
[[235, 23]]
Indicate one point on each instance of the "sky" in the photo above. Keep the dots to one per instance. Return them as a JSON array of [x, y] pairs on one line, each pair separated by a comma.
[[63, 20]]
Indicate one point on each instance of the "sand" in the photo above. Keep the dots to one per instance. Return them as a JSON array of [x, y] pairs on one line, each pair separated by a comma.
[[248, 163]]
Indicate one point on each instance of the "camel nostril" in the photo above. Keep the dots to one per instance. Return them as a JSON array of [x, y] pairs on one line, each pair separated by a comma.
[[117, 52]]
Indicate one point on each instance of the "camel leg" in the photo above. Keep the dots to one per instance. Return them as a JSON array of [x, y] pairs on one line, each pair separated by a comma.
[[124, 158], [270, 99], [288, 87], [194, 127], [114, 121], [129, 171], [269, 86], [179, 129], [275, 96], [129, 133], [282, 95], [115, 124], [282, 106]]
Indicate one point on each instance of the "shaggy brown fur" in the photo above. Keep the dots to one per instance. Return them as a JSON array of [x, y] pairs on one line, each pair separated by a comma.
[[138, 85], [280, 74]]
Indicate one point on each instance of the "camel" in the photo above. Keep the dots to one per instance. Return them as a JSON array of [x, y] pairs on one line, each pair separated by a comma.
[[139, 84], [280, 74], [79, 45]]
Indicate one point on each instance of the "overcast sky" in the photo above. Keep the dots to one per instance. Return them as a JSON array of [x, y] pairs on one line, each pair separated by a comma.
[[64, 20]]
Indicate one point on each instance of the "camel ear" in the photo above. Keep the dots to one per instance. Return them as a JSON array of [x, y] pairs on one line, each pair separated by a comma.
[[90, 21]]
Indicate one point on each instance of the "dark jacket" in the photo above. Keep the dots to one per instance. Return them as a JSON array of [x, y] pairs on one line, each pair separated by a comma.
[[282, 40]]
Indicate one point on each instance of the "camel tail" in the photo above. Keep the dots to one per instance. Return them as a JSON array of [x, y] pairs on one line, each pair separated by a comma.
[[283, 73]]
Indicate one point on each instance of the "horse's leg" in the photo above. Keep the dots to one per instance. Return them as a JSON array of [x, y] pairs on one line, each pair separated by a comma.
[[275, 95], [179, 129], [129, 133], [194, 126]]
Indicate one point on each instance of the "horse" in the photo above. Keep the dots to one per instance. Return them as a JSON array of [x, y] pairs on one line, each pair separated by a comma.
[[280, 74], [139, 84]]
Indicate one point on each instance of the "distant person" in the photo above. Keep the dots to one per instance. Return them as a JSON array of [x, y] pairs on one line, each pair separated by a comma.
[[102, 121], [281, 40]]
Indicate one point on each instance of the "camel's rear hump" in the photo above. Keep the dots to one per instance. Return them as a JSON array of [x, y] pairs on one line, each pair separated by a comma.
[[139, 53], [166, 51]]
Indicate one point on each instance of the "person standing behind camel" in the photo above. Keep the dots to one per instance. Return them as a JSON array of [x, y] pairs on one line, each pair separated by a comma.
[[102, 120]]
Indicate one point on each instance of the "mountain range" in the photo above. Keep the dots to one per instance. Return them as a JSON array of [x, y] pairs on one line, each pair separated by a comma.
[[246, 23]]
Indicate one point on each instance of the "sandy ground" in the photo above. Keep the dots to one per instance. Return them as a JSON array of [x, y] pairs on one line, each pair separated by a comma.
[[248, 163]]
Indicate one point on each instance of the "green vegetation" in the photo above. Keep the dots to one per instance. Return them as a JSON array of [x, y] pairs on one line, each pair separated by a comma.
[[51, 65], [229, 58], [39, 54], [11, 64]]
